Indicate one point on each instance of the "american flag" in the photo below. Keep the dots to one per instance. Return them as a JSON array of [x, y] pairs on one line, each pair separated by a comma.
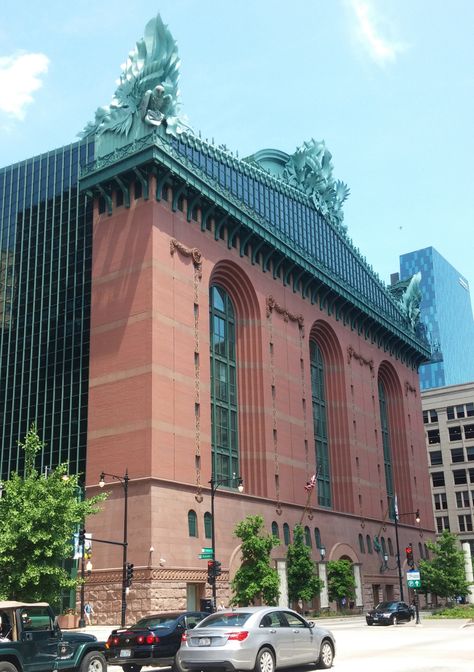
[[311, 483]]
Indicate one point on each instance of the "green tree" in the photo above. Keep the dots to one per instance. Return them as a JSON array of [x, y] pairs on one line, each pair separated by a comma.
[[341, 581], [444, 575], [255, 580], [39, 515], [303, 584]]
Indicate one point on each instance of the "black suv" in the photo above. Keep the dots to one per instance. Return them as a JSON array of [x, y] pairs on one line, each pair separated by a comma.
[[390, 613], [153, 640]]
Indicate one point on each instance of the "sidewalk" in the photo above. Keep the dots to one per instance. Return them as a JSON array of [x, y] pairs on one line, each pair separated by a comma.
[[102, 632]]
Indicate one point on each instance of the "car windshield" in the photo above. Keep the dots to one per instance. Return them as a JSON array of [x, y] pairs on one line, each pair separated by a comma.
[[156, 622], [387, 606], [224, 619]]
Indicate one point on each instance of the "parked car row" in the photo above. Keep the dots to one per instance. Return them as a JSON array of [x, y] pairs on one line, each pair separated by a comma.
[[248, 638]]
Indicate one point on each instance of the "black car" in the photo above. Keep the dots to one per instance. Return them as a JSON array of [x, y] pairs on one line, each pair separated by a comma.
[[390, 613], [153, 640]]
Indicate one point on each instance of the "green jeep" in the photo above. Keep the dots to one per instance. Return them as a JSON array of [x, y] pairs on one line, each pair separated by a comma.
[[31, 641]]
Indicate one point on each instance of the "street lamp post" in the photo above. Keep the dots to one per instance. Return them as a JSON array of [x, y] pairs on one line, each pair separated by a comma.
[[399, 564], [82, 621], [124, 482], [215, 483]]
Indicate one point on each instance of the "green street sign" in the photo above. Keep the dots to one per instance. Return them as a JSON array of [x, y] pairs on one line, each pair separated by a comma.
[[413, 579], [205, 556], [414, 584], [206, 550]]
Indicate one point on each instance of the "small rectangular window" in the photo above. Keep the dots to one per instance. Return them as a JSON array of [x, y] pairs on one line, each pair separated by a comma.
[[442, 523], [433, 416], [470, 453], [450, 412], [460, 411], [470, 410], [465, 523], [436, 458], [459, 476], [455, 433], [457, 455], [437, 478], [433, 436], [469, 431], [462, 499], [425, 417], [440, 501]]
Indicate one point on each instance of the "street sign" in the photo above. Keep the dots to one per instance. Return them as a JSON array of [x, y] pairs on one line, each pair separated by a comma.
[[414, 579], [205, 556], [206, 549]]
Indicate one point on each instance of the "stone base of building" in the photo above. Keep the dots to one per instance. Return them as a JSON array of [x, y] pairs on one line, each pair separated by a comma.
[[153, 590]]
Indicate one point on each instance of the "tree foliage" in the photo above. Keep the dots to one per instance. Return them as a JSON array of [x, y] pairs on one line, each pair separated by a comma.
[[39, 515], [255, 580], [444, 575], [303, 584], [341, 581]]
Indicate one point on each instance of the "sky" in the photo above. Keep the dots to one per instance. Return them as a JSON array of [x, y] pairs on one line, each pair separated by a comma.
[[387, 84]]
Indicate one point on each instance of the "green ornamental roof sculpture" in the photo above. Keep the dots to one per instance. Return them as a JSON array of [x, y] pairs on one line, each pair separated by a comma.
[[147, 94]]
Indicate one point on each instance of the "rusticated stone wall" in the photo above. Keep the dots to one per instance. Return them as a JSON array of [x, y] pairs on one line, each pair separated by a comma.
[[152, 591]]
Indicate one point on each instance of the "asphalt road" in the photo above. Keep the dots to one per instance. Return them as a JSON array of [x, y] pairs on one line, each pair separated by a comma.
[[433, 646]]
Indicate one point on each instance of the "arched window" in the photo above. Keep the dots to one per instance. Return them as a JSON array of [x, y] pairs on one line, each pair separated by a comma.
[[427, 553], [368, 542], [420, 549], [361, 544], [307, 537], [225, 455], [192, 523], [317, 537], [320, 425], [275, 530], [387, 453], [286, 533], [390, 546], [208, 525], [384, 546]]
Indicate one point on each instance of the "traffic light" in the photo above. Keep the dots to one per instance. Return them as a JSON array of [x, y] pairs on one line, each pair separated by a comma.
[[82, 536], [210, 572], [129, 573], [217, 568], [410, 558]]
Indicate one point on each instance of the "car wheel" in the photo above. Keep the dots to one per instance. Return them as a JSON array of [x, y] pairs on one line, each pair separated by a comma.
[[265, 661], [130, 667], [326, 655], [93, 662], [7, 667], [176, 666], [370, 622], [394, 620]]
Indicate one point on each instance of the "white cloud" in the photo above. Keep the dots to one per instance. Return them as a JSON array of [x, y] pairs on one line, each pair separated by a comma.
[[382, 50], [20, 77]]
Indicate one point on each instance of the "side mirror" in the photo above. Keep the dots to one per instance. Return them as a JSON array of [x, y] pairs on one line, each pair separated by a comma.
[[311, 624]]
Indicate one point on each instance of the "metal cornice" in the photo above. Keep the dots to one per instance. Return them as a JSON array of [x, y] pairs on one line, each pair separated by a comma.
[[180, 167]]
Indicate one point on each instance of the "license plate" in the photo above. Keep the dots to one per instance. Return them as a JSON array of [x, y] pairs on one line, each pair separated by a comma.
[[204, 641], [125, 653]]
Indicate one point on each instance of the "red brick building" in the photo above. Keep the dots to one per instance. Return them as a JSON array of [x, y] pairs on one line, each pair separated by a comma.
[[323, 381]]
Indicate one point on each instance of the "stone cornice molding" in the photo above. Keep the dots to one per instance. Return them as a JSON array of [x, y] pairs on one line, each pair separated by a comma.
[[287, 316], [351, 353], [192, 252], [150, 573]]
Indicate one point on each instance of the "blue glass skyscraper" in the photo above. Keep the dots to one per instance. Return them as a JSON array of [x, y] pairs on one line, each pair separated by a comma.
[[447, 313]]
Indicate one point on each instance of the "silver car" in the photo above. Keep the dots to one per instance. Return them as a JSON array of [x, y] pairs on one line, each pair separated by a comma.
[[255, 638]]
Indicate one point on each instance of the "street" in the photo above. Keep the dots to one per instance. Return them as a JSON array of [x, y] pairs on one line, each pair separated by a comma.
[[433, 646]]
